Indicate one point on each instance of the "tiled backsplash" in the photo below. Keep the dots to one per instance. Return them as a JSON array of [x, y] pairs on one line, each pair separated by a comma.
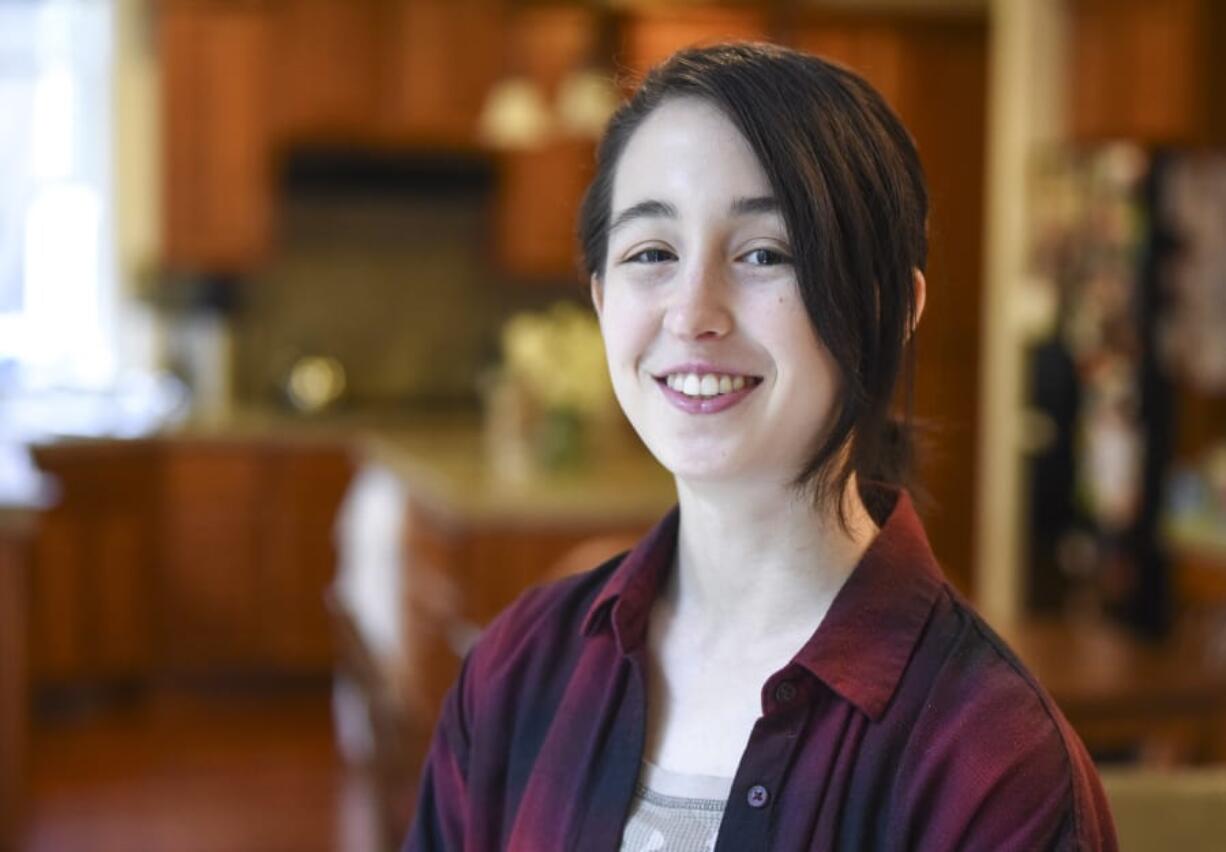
[[400, 290]]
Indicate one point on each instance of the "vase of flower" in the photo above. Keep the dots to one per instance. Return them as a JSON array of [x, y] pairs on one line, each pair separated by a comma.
[[550, 393]]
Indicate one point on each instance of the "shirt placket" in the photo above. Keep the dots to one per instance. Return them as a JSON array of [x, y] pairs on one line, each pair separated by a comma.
[[750, 812]]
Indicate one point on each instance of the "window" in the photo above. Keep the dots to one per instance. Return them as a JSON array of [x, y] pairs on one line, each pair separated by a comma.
[[57, 277]]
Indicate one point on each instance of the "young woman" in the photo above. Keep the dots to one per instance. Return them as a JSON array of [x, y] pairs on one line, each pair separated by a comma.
[[779, 664]]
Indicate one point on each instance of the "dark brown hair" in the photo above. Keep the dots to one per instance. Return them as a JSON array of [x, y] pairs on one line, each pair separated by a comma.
[[851, 191]]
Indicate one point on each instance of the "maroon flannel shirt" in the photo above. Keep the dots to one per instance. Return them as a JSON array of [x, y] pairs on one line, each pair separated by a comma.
[[903, 723]]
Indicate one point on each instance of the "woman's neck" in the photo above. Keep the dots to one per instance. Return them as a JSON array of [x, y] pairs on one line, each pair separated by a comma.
[[754, 562]]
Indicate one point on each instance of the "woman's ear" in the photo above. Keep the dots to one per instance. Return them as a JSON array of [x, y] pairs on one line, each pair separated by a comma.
[[597, 294], [921, 293]]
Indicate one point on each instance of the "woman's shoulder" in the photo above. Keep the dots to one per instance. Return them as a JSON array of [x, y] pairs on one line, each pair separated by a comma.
[[979, 673], [986, 727], [976, 684]]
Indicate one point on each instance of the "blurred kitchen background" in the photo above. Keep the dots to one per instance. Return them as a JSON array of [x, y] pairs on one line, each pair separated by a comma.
[[299, 385]]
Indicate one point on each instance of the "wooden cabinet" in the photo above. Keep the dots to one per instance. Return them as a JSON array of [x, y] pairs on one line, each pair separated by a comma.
[[15, 538], [373, 72], [304, 487], [185, 557], [216, 135], [439, 59], [540, 188], [247, 556], [244, 80], [92, 587], [324, 69], [650, 36], [537, 210], [877, 50], [209, 585], [1146, 71]]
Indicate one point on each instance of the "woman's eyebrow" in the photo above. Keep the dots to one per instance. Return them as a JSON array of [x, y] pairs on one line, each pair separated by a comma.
[[652, 208], [643, 210], [756, 204]]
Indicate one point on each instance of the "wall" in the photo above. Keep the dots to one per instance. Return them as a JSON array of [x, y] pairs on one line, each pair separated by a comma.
[[1027, 59], [137, 176]]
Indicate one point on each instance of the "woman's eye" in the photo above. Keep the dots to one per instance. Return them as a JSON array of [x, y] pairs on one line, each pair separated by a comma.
[[765, 257], [651, 255]]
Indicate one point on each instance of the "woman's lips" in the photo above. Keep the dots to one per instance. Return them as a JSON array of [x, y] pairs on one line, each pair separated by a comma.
[[705, 404]]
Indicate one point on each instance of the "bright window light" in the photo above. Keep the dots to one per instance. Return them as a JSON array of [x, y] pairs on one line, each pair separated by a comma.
[[56, 233]]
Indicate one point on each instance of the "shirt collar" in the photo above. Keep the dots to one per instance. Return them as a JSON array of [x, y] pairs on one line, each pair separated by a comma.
[[632, 588], [865, 640]]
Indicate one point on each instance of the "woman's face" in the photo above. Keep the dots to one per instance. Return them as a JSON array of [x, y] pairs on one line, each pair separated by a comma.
[[710, 349]]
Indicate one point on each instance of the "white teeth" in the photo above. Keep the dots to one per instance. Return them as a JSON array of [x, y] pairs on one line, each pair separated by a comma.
[[706, 385]]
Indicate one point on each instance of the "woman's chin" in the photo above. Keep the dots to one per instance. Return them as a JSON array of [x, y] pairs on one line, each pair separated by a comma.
[[707, 468]]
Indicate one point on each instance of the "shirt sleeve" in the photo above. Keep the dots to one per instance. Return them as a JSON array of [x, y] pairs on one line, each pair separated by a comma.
[[442, 800]]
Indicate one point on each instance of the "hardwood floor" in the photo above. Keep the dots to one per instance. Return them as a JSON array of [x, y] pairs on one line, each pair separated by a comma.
[[186, 771]]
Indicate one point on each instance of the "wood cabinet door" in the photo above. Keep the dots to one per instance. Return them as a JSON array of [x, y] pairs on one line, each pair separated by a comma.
[[439, 59], [537, 209], [875, 50], [248, 556], [217, 187], [943, 104], [304, 487], [1143, 70], [185, 557], [650, 36], [403, 72], [94, 564], [539, 189], [324, 68], [57, 640], [209, 596]]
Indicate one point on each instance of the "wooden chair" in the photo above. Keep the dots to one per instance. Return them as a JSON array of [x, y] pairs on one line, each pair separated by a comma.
[[398, 747]]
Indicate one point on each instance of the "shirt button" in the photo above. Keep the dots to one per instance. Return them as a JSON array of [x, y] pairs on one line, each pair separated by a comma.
[[785, 692], [757, 796]]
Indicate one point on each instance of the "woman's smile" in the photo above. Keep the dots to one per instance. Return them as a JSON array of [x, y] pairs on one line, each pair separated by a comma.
[[705, 389]]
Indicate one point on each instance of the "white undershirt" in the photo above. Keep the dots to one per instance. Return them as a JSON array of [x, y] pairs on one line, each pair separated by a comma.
[[674, 812]]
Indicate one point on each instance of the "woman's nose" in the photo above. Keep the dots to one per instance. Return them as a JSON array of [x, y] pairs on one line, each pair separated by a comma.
[[699, 308]]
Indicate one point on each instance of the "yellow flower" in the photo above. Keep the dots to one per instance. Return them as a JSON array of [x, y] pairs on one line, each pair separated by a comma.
[[558, 357]]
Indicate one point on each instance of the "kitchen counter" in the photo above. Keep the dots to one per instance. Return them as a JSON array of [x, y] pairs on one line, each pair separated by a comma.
[[446, 471], [442, 460], [258, 423], [440, 455]]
